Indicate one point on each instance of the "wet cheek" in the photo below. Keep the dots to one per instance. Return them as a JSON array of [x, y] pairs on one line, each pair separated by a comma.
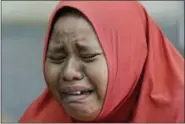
[[52, 73], [52, 76], [98, 77]]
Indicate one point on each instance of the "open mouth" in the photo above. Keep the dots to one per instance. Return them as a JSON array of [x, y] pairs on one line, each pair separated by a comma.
[[76, 95], [82, 92]]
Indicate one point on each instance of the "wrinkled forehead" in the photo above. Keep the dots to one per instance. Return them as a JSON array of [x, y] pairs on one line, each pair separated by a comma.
[[69, 21], [61, 15], [101, 14]]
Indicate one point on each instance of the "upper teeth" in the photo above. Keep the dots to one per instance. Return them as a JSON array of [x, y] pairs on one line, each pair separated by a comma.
[[77, 93]]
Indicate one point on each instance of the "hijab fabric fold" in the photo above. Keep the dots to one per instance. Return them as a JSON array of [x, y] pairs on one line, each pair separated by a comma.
[[146, 72]]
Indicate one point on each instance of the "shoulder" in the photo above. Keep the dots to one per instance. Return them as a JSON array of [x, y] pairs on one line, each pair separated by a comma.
[[35, 107]]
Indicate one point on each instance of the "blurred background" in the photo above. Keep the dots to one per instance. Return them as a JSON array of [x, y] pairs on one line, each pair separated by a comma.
[[23, 28]]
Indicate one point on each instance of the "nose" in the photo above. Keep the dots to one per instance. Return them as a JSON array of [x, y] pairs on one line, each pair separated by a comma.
[[71, 71]]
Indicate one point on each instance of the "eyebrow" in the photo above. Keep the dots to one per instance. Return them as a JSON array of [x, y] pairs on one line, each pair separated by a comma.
[[56, 48], [81, 47]]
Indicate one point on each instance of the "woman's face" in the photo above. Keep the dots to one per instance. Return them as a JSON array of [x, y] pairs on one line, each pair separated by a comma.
[[75, 68]]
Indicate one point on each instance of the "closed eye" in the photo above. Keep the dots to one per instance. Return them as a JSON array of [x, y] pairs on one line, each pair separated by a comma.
[[89, 57], [56, 60]]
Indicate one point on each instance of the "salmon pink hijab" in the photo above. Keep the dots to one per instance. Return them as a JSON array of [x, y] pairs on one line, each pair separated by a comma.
[[146, 72]]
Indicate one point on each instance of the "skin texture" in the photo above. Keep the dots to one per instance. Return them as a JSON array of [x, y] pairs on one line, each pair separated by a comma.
[[75, 58]]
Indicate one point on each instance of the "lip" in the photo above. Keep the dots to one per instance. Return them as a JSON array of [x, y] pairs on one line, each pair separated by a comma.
[[70, 89], [75, 99]]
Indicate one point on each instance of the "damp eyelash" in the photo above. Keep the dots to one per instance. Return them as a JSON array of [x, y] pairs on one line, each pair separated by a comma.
[[89, 58]]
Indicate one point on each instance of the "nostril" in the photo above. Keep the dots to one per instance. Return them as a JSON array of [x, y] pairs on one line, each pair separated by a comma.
[[64, 78], [73, 76]]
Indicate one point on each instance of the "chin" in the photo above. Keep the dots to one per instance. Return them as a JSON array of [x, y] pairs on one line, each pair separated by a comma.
[[83, 114], [86, 109]]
